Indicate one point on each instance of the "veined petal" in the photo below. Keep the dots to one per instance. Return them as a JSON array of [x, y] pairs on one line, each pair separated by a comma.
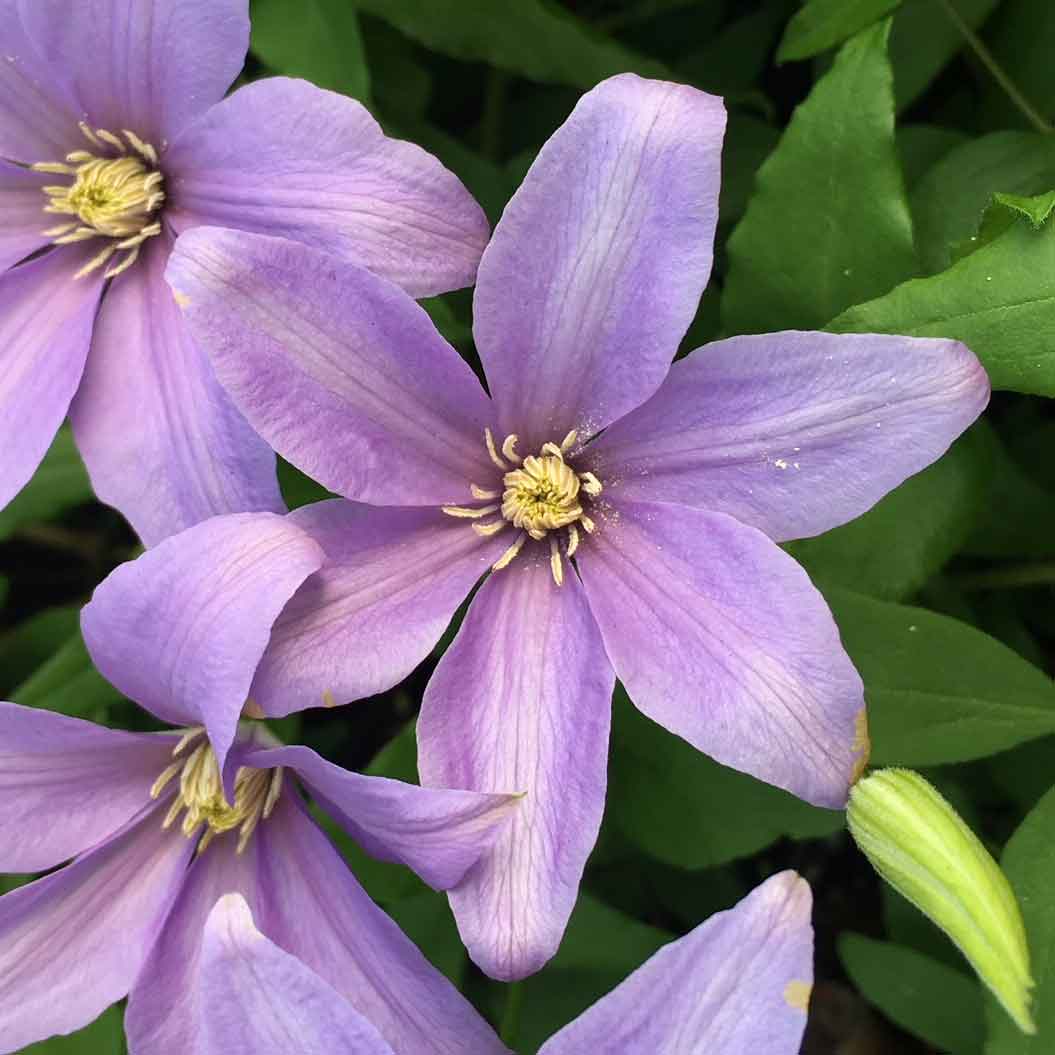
[[282, 157], [739, 983], [438, 833], [65, 785], [46, 320], [305, 900], [521, 702], [793, 433], [181, 629], [162, 440], [721, 637], [38, 111], [390, 584], [596, 268], [258, 997], [72, 943], [339, 370], [147, 65], [165, 1008], [22, 216]]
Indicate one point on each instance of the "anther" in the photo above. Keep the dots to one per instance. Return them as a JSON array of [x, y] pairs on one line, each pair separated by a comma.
[[490, 441], [555, 562], [510, 554], [469, 514], [573, 540], [482, 493], [587, 524], [487, 530], [569, 441], [590, 484], [509, 448], [554, 450]]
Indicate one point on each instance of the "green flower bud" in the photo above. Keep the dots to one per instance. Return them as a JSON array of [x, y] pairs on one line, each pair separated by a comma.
[[916, 841]]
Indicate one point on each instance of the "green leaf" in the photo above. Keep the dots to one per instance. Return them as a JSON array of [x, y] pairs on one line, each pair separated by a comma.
[[315, 39], [999, 300], [821, 24], [105, 1036], [931, 1000], [939, 690], [32, 642], [58, 484], [600, 948], [921, 147], [534, 38], [924, 40], [949, 201], [685, 809], [1018, 512], [828, 225], [1036, 209], [68, 683], [1022, 42], [1029, 863], [894, 548]]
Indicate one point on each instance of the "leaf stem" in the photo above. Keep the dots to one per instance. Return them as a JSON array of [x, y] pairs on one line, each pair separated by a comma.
[[1021, 575], [509, 1032], [999, 74]]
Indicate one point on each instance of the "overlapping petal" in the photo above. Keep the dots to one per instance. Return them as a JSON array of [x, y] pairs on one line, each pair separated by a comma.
[[165, 1008], [147, 65], [161, 439], [66, 785], [521, 702], [181, 629], [339, 370], [312, 907], [721, 637], [596, 268], [45, 328], [283, 157], [22, 216], [257, 997], [797, 432], [38, 110], [439, 833], [739, 983], [392, 580], [72, 943]]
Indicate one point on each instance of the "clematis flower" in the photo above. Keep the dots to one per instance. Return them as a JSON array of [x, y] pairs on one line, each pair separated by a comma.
[[628, 511], [739, 983], [156, 839], [114, 138]]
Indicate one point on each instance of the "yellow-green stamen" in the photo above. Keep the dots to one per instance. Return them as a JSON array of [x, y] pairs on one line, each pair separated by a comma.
[[115, 192]]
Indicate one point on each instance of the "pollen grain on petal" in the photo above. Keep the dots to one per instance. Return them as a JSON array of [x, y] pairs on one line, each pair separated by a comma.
[[797, 995]]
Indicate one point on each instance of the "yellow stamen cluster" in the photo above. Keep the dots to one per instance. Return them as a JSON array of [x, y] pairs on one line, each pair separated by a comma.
[[114, 194], [540, 494], [201, 793]]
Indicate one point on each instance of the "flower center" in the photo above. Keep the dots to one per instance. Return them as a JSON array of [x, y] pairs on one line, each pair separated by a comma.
[[201, 793], [539, 494], [115, 193]]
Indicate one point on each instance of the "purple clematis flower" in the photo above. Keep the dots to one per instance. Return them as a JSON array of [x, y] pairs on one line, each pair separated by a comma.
[[155, 842], [739, 984], [114, 139], [629, 509]]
